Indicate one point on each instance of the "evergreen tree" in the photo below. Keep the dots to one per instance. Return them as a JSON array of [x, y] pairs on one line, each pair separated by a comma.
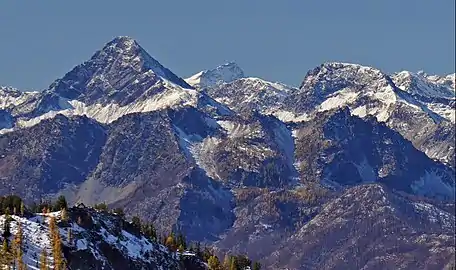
[[34, 208], [214, 263], [17, 249], [192, 247], [70, 237], [43, 260], [58, 259], [136, 222], [79, 221], [206, 254], [6, 256], [52, 226], [6, 228], [256, 266], [243, 261], [181, 242], [227, 262], [56, 244], [152, 232], [198, 250], [10, 201], [21, 265], [64, 214], [233, 263], [13, 254], [22, 209], [163, 238], [170, 242], [119, 211], [101, 207], [5, 246], [61, 203]]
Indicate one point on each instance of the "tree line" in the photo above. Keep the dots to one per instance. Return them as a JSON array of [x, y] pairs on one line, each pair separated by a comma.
[[177, 242], [11, 252]]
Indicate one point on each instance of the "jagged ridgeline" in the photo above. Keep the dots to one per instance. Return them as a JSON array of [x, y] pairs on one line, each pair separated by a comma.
[[55, 236], [352, 169]]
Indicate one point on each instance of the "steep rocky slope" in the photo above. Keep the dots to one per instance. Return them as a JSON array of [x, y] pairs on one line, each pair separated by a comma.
[[340, 149], [49, 157], [371, 227], [368, 91], [249, 94]]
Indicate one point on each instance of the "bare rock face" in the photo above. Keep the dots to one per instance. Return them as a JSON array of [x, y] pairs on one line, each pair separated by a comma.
[[344, 150], [49, 157], [371, 227], [6, 119]]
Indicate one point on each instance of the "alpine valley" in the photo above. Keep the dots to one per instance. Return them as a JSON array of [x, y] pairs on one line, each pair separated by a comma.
[[353, 169]]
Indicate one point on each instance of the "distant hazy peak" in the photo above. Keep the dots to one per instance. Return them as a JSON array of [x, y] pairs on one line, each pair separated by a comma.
[[222, 74], [432, 86]]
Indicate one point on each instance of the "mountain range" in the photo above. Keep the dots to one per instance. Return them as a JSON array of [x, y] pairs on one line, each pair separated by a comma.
[[353, 169]]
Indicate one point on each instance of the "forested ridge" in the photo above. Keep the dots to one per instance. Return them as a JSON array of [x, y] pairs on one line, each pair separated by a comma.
[[12, 206]]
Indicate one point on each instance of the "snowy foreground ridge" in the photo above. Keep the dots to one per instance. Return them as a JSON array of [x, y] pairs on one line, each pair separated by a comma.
[[90, 243], [35, 237]]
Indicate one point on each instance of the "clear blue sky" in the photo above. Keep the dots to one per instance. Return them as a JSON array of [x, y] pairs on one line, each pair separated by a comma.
[[274, 40]]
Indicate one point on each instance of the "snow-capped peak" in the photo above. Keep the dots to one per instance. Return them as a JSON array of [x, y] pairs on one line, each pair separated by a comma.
[[120, 78], [449, 80], [124, 42], [8, 89], [129, 52], [424, 85], [121, 72], [222, 74], [328, 78], [251, 93], [11, 97]]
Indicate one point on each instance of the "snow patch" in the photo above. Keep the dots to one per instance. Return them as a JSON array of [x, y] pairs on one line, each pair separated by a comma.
[[432, 184], [186, 141], [366, 171], [338, 100], [174, 96]]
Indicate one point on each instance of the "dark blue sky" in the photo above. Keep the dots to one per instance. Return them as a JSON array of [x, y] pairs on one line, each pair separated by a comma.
[[274, 40]]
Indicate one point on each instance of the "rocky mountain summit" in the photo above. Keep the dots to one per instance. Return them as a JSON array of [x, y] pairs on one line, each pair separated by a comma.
[[222, 74], [246, 165]]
